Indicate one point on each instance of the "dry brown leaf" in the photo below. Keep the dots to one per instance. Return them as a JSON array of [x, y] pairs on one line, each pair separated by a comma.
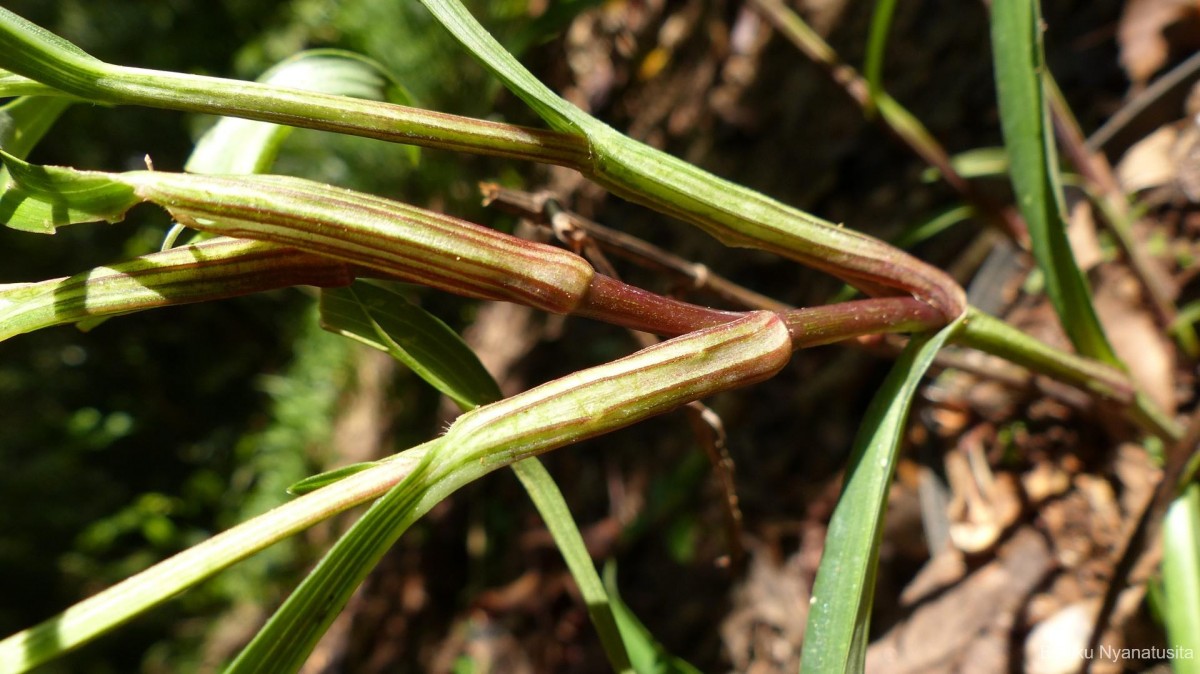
[[1081, 232], [1149, 163], [968, 627], [1142, 34], [1135, 336]]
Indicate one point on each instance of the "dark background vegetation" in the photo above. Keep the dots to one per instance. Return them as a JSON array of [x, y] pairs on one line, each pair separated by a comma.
[[129, 442]]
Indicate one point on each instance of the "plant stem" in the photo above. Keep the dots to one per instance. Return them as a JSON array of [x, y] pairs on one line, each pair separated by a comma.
[[814, 326], [990, 334], [215, 269], [732, 213], [37, 54], [543, 208]]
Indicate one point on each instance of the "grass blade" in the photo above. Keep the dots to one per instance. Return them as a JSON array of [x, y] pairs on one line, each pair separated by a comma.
[[40, 198], [839, 616], [648, 656], [553, 508], [25, 120], [881, 23], [1028, 137], [564, 411], [1181, 582]]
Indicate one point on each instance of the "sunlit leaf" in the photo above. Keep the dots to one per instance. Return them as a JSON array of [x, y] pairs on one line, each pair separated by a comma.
[[840, 614], [383, 319], [1033, 161], [24, 122], [43, 198]]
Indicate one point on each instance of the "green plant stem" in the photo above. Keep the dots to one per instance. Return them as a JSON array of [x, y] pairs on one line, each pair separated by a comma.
[[567, 410], [734, 214], [211, 270], [112, 607], [45, 58], [994, 336]]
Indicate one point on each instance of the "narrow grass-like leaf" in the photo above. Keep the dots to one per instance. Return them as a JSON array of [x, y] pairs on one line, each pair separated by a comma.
[[931, 227], [315, 482], [1028, 136], [839, 616], [881, 24], [241, 146], [1181, 582], [23, 123], [578, 406], [645, 652], [601, 605], [384, 319]]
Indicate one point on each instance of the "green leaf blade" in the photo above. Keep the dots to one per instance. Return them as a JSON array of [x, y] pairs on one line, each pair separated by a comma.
[[839, 617], [42, 198], [1017, 50], [383, 319]]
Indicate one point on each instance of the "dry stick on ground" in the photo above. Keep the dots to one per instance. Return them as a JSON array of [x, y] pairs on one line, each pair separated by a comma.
[[910, 131], [1143, 100]]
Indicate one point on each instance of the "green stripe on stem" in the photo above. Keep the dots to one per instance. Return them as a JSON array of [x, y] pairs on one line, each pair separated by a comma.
[[215, 269]]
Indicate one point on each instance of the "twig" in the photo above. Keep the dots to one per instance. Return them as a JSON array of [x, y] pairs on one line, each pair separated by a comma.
[[1135, 107], [542, 208]]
